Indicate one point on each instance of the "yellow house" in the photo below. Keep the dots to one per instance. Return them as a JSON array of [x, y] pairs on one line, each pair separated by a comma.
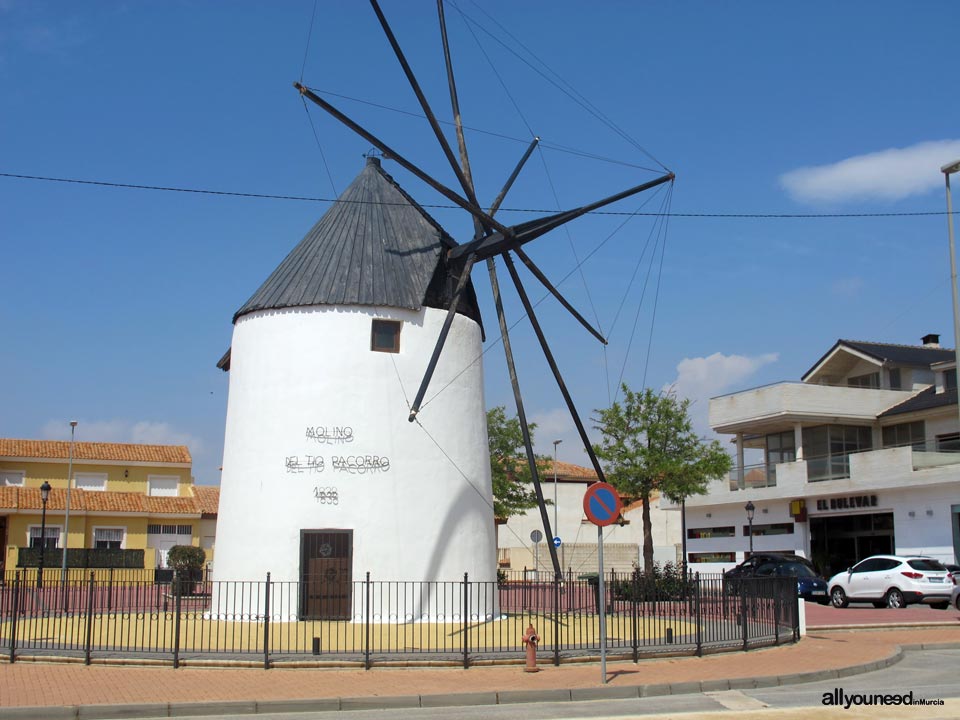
[[123, 497]]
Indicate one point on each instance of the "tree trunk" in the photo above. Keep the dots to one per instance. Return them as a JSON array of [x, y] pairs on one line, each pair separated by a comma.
[[647, 537]]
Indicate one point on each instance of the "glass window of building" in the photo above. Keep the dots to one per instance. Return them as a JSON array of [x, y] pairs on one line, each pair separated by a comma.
[[385, 336], [827, 449], [904, 434], [781, 448], [870, 380]]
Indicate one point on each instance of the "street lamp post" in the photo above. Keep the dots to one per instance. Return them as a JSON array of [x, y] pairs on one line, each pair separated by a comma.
[[556, 530], [947, 171], [66, 519], [44, 496], [750, 508]]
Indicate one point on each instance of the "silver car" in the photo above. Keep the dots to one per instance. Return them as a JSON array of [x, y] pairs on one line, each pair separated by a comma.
[[892, 581]]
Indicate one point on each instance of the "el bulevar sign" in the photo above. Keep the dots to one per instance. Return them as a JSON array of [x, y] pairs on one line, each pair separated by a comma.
[[850, 502]]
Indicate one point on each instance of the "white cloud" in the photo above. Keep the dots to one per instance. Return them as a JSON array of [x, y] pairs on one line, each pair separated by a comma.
[[123, 431], [891, 174], [705, 377], [556, 424], [700, 378]]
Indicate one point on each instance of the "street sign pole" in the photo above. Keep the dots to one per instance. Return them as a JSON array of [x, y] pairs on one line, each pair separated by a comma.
[[536, 536], [603, 609], [602, 506]]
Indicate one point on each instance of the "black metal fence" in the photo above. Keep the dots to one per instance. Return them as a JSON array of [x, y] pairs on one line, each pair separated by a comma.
[[371, 622]]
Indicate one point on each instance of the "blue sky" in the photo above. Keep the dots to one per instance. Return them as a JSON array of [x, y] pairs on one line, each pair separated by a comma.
[[117, 303]]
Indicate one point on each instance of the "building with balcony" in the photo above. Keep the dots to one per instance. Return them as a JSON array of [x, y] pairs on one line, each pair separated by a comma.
[[128, 504], [860, 457]]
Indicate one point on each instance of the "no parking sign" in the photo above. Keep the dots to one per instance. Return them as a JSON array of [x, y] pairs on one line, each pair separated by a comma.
[[601, 503]]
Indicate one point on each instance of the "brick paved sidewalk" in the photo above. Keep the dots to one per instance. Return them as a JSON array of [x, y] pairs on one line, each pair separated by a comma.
[[54, 684]]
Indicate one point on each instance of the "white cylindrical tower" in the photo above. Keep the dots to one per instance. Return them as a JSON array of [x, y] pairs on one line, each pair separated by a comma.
[[324, 479]]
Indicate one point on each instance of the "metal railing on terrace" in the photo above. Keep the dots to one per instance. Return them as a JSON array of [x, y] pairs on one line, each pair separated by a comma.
[[369, 621], [836, 466]]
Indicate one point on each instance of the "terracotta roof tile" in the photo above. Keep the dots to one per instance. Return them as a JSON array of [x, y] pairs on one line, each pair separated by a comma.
[[171, 505], [124, 502], [8, 497], [60, 449], [101, 502], [29, 498], [208, 498], [571, 471]]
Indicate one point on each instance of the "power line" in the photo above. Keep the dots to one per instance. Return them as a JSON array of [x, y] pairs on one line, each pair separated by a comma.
[[440, 206]]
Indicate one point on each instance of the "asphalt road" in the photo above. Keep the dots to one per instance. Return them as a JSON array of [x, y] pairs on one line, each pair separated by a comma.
[[928, 674]]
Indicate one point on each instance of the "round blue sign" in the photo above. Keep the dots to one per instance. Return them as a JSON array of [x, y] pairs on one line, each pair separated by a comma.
[[601, 504], [556, 542]]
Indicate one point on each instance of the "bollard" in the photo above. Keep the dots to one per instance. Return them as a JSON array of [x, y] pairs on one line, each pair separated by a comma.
[[531, 639]]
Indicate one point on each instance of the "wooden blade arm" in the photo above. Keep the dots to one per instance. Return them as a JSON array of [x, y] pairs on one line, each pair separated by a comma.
[[500, 242], [424, 105], [474, 210], [538, 274], [442, 339]]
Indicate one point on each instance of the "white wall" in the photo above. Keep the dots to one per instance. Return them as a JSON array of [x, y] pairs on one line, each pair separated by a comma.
[[777, 511], [426, 516]]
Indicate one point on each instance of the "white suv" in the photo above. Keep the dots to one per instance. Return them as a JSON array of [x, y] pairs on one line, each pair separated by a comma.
[[892, 581]]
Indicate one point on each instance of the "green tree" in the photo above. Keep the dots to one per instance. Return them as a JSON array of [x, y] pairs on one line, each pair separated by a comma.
[[512, 484], [649, 445]]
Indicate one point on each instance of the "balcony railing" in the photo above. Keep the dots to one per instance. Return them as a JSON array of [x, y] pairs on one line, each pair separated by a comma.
[[836, 466], [753, 476]]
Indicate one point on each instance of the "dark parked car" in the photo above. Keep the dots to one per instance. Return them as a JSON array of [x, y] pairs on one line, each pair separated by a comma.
[[810, 585]]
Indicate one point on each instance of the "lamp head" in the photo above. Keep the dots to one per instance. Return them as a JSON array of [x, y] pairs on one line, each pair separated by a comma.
[[45, 492], [750, 508], [73, 423], [950, 168]]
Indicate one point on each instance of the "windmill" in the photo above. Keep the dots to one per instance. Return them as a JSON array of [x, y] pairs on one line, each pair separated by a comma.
[[491, 239]]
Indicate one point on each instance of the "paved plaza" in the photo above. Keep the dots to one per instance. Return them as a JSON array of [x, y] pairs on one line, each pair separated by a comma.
[[825, 652]]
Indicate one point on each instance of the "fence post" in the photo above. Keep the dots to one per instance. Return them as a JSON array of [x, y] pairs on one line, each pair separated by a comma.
[[64, 589], [776, 610], [466, 620], [634, 608], [366, 623], [16, 615], [743, 610], [698, 617], [176, 620], [266, 625], [523, 591], [556, 620], [110, 591], [89, 619]]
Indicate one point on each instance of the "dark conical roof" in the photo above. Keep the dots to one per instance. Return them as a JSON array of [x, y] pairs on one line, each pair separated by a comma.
[[374, 246]]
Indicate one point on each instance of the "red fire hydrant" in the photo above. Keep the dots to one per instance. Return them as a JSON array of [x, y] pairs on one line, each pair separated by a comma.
[[531, 639]]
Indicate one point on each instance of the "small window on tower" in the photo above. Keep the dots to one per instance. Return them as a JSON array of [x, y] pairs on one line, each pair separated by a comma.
[[385, 336]]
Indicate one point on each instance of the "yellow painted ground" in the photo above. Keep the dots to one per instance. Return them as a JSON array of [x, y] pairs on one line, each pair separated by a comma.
[[155, 631]]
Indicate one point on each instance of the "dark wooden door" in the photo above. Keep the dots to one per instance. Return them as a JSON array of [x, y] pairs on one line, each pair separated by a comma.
[[326, 574]]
